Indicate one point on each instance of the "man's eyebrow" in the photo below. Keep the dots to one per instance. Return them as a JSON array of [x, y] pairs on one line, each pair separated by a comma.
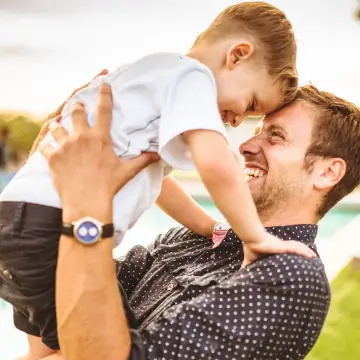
[[269, 129], [276, 127]]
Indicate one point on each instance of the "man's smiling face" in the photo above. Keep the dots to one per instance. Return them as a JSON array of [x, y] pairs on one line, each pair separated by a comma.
[[275, 158]]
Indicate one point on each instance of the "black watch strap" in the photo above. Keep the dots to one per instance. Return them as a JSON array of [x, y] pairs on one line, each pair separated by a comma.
[[107, 230]]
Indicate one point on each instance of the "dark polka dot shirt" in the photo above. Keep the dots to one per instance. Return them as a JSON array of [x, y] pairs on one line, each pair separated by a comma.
[[187, 300]]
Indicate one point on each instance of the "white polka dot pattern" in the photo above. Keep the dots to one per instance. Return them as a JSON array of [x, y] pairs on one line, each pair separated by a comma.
[[194, 302]]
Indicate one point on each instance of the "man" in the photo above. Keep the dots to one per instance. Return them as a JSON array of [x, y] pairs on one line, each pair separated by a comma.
[[189, 299]]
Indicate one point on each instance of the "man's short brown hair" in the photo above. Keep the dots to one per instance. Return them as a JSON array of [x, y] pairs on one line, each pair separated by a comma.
[[336, 134], [273, 38]]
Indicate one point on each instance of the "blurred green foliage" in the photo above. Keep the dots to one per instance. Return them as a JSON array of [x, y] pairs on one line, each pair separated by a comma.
[[23, 131], [340, 338]]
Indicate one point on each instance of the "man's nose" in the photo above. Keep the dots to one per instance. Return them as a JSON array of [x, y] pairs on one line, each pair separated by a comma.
[[250, 147]]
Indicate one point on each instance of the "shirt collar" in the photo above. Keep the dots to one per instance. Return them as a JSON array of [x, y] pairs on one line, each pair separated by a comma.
[[302, 232]]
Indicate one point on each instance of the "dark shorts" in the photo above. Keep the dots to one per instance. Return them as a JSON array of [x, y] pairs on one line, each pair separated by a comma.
[[29, 237]]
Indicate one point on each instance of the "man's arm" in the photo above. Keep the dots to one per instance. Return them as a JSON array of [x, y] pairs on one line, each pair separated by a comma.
[[91, 319], [90, 316], [176, 203]]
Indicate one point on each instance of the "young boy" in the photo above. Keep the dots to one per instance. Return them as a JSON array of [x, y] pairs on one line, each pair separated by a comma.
[[244, 63]]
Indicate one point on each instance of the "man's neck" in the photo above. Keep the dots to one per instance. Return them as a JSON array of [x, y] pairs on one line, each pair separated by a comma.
[[281, 217]]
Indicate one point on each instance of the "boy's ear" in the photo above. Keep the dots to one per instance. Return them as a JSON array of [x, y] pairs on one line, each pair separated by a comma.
[[237, 52]]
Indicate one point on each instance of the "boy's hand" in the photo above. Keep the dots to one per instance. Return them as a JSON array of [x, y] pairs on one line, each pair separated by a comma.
[[273, 245]]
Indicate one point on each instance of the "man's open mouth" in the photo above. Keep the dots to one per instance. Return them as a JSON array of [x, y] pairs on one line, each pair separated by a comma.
[[252, 172]]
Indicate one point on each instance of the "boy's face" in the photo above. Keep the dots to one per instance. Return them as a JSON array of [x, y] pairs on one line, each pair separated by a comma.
[[246, 89]]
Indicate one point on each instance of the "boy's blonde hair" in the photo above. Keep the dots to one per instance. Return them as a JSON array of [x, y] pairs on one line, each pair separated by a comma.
[[271, 33]]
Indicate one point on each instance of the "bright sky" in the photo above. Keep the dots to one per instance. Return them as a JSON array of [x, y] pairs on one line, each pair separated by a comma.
[[48, 48]]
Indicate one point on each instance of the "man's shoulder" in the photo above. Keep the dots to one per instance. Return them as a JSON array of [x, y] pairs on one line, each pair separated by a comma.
[[174, 236], [289, 272]]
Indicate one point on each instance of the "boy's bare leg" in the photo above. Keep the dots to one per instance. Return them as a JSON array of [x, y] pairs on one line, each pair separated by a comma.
[[37, 349]]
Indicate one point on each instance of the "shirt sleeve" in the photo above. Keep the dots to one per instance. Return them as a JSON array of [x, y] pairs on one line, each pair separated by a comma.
[[256, 313], [133, 267], [191, 104]]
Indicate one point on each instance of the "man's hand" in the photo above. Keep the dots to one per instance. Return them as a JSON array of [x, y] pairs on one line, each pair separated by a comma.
[[42, 133], [87, 174], [85, 168], [273, 245]]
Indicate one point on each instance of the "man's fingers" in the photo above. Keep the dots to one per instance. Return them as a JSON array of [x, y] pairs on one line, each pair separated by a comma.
[[57, 112], [46, 150], [57, 131], [102, 72], [45, 128], [79, 117], [104, 110], [42, 133], [135, 165], [57, 118], [300, 249]]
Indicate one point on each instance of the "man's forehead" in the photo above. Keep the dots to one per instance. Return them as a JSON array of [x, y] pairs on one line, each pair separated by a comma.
[[292, 118]]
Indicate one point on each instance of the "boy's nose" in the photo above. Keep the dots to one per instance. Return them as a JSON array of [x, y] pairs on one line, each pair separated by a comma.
[[237, 120]]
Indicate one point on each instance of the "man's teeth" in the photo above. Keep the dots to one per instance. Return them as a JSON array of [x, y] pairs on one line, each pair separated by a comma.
[[254, 172]]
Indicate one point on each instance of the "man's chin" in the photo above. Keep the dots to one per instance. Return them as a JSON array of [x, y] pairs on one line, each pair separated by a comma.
[[255, 181], [256, 185]]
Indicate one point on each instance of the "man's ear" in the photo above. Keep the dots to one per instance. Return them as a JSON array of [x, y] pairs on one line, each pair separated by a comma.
[[328, 172], [239, 51]]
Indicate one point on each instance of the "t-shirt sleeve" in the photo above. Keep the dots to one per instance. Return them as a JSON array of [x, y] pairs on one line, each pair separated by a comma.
[[191, 104]]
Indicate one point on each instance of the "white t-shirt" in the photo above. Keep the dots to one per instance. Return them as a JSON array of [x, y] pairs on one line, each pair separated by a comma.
[[155, 100]]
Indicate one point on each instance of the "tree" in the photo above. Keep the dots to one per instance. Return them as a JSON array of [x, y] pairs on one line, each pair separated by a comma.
[[23, 131]]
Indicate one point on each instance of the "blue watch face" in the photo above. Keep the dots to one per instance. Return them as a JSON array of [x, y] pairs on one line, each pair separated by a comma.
[[87, 232]]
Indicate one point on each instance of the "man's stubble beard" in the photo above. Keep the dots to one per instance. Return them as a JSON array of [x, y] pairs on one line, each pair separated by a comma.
[[270, 199]]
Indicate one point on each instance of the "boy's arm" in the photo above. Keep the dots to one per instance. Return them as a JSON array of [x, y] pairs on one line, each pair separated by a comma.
[[176, 203], [191, 131], [225, 181], [222, 175]]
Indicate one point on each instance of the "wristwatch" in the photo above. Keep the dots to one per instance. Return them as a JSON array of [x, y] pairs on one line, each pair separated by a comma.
[[88, 230], [219, 232]]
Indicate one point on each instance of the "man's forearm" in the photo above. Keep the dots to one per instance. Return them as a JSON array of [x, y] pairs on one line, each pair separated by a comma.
[[91, 321]]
